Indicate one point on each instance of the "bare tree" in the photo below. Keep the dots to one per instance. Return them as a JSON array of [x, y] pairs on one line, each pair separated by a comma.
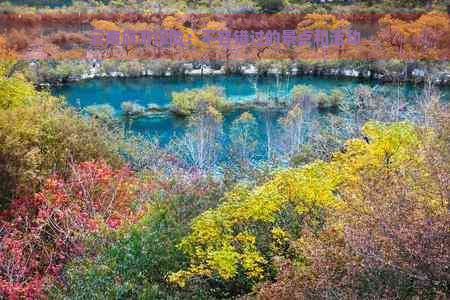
[[200, 145], [244, 140], [293, 126]]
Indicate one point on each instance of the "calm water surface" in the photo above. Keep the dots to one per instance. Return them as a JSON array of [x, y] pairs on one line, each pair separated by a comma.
[[158, 90]]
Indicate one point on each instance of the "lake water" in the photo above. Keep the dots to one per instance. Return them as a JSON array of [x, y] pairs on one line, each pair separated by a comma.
[[158, 90]]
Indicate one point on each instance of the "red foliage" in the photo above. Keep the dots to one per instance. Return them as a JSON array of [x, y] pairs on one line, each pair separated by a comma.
[[17, 40], [69, 39], [40, 233]]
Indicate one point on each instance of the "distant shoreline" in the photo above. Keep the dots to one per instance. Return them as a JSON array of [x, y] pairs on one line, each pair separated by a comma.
[[417, 76]]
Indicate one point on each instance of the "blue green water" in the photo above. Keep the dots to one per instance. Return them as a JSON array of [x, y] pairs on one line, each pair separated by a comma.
[[158, 90]]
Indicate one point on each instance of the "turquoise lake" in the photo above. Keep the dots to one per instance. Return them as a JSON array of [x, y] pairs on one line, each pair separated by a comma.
[[158, 90]]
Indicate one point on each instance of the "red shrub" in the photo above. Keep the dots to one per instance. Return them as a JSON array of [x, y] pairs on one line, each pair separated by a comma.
[[65, 39], [18, 40], [39, 233]]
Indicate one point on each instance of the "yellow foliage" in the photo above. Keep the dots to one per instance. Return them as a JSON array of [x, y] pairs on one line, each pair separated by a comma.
[[212, 25], [280, 239], [322, 22], [171, 23], [14, 91], [5, 53], [73, 54], [105, 25], [222, 239]]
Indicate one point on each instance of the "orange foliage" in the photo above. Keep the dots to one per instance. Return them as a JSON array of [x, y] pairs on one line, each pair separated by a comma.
[[5, 52], [322, 22], [421, 37], [17, 40], [426, 37]]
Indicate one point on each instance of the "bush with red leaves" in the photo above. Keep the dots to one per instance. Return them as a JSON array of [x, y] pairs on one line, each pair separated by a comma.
[[18, 39], [38, 234]]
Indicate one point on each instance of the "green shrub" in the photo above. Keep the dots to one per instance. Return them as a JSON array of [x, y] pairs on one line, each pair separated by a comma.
[[306, 97], [303, 95], [102, 112], [336, 97], [14, 92], [322, 100], [43, 137], [270, 6], [244, 138], [332, 100], [132, 109], [303, 156], [187, 102], [133, 266]]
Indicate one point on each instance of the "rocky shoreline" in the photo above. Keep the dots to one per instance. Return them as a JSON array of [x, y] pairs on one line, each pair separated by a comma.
[[188, 69]]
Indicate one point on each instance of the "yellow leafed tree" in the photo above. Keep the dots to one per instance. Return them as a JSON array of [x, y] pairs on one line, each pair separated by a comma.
[[250, 228]]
